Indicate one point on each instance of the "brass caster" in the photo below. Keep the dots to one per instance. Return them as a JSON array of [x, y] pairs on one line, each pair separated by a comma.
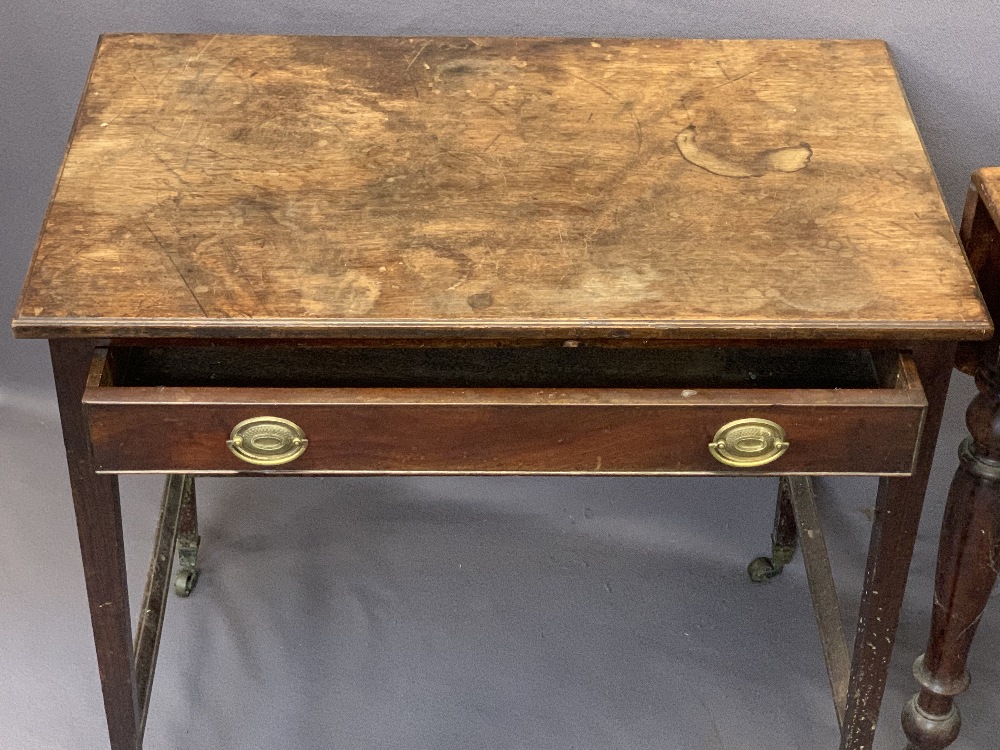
[[185, 581], [762, 569]]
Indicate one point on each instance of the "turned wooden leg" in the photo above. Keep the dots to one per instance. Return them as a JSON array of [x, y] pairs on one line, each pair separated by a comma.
[[99, 524], [897, 515], [966, 572], [783, 538]]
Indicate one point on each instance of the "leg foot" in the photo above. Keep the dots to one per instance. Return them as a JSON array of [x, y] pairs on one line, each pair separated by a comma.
[[927, 731]]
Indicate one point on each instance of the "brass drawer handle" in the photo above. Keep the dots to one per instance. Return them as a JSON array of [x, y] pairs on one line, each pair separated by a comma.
[[267, 441], [748, 442]]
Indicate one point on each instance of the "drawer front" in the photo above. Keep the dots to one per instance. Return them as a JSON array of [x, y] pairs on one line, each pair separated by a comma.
[[503, 430]]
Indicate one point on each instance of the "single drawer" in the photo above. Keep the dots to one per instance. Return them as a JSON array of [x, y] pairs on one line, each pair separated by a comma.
[[300, 409]]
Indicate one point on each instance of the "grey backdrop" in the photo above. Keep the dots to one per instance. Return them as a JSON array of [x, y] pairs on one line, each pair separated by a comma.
[[433, 656]]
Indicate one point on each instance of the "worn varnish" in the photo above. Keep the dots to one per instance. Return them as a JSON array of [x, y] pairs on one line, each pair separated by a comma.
[[291, 186]]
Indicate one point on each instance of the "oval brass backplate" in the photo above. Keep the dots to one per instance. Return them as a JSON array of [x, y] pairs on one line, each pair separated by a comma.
[[267, 441], [748, 442]]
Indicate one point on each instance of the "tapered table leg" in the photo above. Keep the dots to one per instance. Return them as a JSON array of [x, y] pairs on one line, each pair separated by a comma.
[[897, 515], [966, 572], [99, 524]]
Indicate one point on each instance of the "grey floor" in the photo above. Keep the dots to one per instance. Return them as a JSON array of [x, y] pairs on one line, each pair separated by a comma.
[[456, 613]]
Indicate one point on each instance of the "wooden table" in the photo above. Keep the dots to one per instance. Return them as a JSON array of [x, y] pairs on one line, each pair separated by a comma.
[[282, 255], [970, 533]]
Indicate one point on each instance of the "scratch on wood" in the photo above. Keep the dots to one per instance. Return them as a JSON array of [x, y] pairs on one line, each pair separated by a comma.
[[120, 110], [971, 625], [243, 274], [181, 128], [200, 52], [215, 77], [729, 82], [169, 168], [194, 144], [419, 51], [627, 106], [180, 275]]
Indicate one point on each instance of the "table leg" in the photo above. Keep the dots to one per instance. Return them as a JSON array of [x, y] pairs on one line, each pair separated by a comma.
[[897, 515], [99, 524], [966, 572], [784, 538]]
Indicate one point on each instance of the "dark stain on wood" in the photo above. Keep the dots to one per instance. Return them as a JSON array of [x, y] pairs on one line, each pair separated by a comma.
[[480, 300], [754, 164]]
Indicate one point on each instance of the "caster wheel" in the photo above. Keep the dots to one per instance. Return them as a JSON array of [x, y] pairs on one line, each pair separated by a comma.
[[762, 569], [185, 581]]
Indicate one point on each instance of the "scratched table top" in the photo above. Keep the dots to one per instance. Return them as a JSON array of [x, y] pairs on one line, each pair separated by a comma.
[[481, 187]]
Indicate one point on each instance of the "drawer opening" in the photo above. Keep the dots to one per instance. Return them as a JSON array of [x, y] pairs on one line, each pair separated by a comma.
[[497, 366]]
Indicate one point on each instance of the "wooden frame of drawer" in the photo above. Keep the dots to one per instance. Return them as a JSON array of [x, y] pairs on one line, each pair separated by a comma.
[[504, 430]]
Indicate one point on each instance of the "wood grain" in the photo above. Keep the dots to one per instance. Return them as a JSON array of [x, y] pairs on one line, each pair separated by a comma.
[[238, 186]]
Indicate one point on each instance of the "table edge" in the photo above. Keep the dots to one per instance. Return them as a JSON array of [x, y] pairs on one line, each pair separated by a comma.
[[979, 329]]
